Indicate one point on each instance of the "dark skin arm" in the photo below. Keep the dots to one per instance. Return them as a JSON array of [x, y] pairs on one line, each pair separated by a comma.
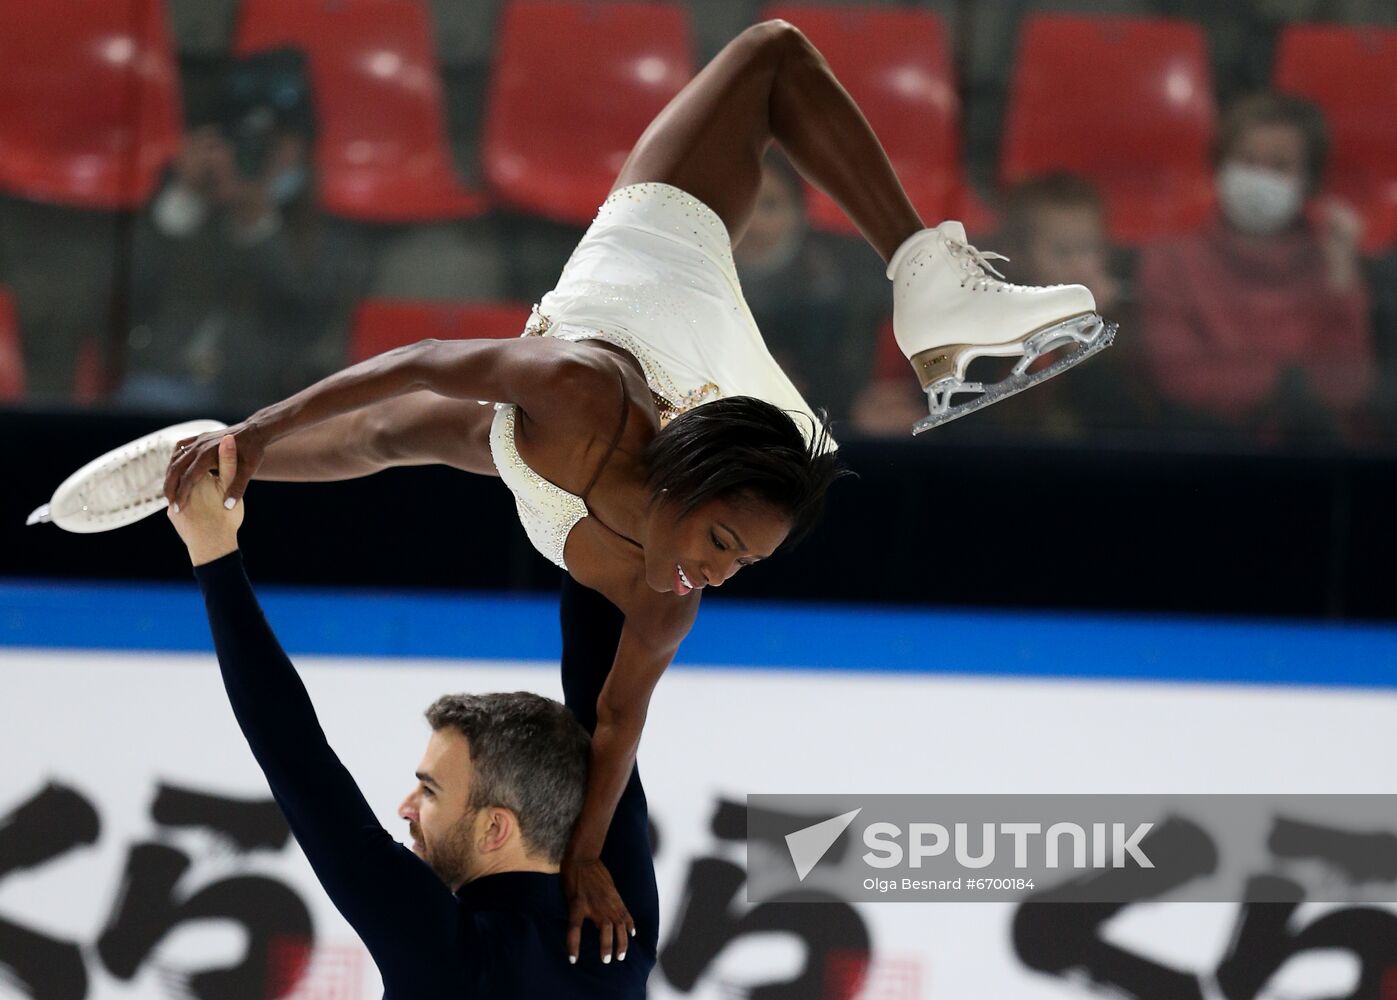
[[655, 626], [544, 376], [419, 428]]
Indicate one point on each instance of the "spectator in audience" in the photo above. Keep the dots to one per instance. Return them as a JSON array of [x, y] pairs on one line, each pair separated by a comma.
[[797, 290], [1258, 322], [1054, 232], [240, 287]]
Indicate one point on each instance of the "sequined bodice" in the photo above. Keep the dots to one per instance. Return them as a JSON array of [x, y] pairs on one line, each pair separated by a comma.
[[547, 511], [654, 276]]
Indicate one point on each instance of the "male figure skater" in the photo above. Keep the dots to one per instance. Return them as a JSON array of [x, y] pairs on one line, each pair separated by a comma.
[[476, 907]]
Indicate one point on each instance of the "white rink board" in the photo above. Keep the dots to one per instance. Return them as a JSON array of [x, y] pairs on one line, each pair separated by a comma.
[[113, 725]]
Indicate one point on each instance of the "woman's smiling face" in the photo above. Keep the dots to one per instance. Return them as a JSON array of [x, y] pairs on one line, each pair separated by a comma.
[[711, 543]]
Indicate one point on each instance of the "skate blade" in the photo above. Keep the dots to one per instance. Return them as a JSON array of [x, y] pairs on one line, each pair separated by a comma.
[[1020, 380]]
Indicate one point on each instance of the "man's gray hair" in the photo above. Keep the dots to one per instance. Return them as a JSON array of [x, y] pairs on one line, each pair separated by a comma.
[[530, 756]]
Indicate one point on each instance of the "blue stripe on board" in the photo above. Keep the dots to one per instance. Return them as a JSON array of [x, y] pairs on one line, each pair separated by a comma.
[[730, 633]]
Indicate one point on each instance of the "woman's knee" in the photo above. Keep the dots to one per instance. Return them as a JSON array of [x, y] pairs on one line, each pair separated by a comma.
[[774, 39]]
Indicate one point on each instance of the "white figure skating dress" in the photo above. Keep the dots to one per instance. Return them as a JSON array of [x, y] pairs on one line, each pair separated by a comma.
[[654, 275]]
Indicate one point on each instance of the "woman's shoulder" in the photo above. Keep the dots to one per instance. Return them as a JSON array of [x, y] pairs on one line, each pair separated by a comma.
[[575, 397]]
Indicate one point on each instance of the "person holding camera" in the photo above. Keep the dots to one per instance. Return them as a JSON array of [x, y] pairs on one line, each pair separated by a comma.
[[239, 283]]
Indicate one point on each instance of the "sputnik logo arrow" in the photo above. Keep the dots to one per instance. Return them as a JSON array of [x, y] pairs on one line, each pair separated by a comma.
[[808, 845]]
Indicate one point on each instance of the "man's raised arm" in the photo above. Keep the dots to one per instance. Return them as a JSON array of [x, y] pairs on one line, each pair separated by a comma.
[[399, 907]]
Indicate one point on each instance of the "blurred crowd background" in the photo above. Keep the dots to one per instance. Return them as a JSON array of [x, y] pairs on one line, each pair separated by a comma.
[[207, 204]]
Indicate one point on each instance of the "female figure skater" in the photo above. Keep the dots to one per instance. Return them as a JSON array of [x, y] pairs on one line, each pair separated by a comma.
[[653, 446]]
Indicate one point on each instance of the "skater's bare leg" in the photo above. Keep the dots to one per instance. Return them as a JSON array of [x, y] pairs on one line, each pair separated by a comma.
[[770, 84]]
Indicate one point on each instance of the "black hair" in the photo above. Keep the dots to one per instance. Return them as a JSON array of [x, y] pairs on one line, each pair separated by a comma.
[[744, 447], [273, 85], [263, 95], [530, 755]]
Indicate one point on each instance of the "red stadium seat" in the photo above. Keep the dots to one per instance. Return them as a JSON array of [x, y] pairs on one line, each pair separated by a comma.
[[897, 65], [383, 324], [1352, 74], [381, 149], [11, 351], [574, 85], [1126, 103], [90, 94]]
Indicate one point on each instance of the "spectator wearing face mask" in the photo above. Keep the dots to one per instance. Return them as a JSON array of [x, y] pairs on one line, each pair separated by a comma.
[[1258, 322], [240, 286]]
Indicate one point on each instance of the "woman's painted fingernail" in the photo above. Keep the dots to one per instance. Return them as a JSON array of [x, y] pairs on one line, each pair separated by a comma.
[[632, 932], [230, 503], [606, 960], [621, 957], [176, 508], [572, 960]]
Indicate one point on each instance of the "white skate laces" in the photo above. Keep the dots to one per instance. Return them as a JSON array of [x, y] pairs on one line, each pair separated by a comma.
[[122, 486], [979, 274], [942, 322]]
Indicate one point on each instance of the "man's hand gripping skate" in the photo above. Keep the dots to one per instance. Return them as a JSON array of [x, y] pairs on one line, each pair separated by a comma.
[[208, 526]]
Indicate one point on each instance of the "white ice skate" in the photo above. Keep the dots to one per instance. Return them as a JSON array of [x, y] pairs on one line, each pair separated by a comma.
[[122, 486], [951, 306]]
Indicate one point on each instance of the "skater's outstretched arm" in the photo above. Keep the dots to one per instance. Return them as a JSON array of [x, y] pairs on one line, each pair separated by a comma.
[[770, 83], [420, 428], [544, 376]]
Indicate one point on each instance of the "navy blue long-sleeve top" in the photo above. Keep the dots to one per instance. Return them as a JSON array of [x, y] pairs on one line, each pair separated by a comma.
[[499, 936]]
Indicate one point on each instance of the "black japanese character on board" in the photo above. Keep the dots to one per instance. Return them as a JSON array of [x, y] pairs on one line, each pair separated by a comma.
[[712, 916], [55, 820], [1053, 934], [151, 903]]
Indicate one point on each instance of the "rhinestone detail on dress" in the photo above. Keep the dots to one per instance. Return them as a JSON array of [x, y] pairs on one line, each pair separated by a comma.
[[698, 216], [547, 511], [670, 400]]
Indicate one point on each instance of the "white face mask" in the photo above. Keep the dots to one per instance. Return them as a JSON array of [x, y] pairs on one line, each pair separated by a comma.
[[1258, 201]]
